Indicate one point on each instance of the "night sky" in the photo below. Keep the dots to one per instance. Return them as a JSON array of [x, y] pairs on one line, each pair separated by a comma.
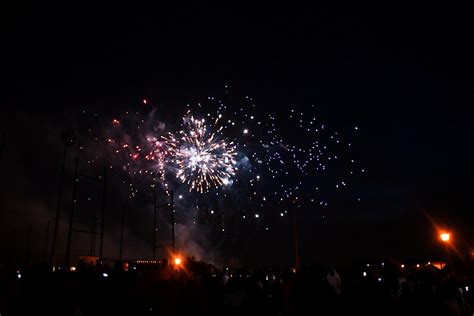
[[403, 75]]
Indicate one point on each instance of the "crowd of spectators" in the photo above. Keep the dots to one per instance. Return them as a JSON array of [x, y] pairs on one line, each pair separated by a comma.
[[198, 288]]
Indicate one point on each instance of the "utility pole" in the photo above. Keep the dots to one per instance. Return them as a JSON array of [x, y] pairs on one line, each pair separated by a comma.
[[172, 211], [2, 146], [172, 219], [154, 227], [14, 251], [46, 239], [92, 232], [93, 236], [71, 216], [68, 141], [295, 237], [104, 192], [121, 231], [28, 246], [58, 207]]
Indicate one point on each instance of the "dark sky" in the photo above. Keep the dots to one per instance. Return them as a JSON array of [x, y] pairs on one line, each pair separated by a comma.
[[403, 74]]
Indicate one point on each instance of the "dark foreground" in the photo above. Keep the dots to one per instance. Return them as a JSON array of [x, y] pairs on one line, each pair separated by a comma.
[[200, 289]]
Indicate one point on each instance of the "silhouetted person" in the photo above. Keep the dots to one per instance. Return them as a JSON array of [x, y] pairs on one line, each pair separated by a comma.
[[334, 281], [166, 271], [81, 266]]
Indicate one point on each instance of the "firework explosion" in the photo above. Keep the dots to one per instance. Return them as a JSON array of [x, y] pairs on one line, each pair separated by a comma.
[[203, 159], [230, 159]]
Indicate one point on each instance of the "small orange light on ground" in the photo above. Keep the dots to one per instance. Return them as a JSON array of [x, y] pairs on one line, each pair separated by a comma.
[[177, 261]]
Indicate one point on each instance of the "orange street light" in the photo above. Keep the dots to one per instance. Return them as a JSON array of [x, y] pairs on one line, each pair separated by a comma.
[[444, 237], [177, 261]]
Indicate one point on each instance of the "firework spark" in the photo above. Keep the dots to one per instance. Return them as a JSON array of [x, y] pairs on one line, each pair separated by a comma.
[[202, 156]]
